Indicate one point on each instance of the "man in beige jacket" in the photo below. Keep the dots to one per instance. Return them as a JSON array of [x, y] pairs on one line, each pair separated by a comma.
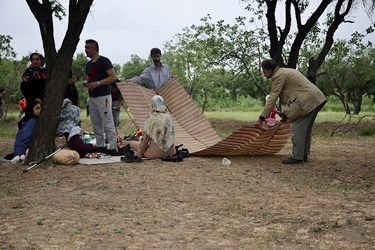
[[300, 101]]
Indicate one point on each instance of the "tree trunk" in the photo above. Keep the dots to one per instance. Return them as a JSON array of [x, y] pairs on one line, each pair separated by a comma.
[[205, 100], [58, 68], [357, 103], [279, 35], [45, 131]]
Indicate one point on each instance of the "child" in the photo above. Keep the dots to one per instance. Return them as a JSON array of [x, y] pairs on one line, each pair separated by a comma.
[[25, 131], [271, 120]]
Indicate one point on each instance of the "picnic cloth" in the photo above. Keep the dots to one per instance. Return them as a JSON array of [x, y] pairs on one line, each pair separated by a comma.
[[194, 131], [102, 160]]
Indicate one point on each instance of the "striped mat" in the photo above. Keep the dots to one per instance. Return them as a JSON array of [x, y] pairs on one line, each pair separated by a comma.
[[194, 131]]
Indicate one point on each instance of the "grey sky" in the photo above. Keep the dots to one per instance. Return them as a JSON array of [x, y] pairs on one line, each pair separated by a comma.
[[125, 27]]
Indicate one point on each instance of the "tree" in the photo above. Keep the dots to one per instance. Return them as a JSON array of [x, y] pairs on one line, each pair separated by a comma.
[[78, 69], [349, 73], [218, 57], [6, 50], [79, 65], [58, 65], [190, 58], [10, 77], [134, 67], [10, 70], [279, 35]]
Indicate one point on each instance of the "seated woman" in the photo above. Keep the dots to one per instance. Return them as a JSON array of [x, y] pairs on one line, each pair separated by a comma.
[[158, 134], [69, 118], [25, 130], [69, 128]]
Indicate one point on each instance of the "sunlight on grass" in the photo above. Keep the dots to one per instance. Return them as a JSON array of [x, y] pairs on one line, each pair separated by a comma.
[[9, 124], [323, 116], [235, 115]]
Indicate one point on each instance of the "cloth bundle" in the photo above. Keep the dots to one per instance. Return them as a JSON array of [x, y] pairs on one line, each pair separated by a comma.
[[66, 157]]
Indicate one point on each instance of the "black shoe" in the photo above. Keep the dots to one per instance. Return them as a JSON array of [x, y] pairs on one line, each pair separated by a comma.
[[127, 151], [291, 160], [131, 159], [9, 156], [112, 152], [183, 152], [305, 158], [100, 149], [174, 158]]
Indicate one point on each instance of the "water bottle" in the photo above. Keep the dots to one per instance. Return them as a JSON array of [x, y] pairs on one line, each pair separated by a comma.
[[226, 161], [87, 139]]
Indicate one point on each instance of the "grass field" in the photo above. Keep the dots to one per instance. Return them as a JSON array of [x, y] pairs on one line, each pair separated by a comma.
[[323, 116], [9, 124]]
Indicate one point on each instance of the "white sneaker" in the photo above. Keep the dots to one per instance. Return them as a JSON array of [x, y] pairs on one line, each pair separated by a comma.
[[16, 159], [22, 158], [2, 160]]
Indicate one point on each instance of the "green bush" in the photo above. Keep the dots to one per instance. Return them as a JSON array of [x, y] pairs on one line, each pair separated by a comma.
[[367, 131], [226, 104]]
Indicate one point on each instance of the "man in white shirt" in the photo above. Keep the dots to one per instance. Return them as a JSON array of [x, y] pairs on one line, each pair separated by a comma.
[[155, 75]]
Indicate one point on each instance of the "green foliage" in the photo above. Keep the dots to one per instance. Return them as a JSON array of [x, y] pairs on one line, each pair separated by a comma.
[[79, 66], [58, 10], [367, 131], [78, 69], [134, 67], [6, 50], [10, 78], [217, 60], [348, 74], [243, 103]]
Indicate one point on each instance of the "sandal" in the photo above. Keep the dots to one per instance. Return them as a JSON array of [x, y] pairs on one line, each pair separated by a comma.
[[93, 155]]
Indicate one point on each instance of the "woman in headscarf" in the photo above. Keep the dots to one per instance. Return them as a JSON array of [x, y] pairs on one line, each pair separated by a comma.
[[33, 79], [25, 130], [69, 127], [158, 134], [69, 118]]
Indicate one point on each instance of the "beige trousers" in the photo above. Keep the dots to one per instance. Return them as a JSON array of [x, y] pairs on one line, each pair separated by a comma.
[[147, 148]]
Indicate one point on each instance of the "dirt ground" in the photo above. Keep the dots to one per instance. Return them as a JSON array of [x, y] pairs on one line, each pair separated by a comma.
[[254, 203]]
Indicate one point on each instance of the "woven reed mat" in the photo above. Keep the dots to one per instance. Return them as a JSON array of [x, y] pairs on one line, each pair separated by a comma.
[[194, 131]]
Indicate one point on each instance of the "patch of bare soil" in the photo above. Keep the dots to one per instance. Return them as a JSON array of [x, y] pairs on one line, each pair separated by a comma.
[[254, 203]]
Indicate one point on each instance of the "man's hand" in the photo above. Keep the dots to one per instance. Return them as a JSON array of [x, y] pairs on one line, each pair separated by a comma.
[[72, 80], [259, 123], [284, 118], [92, 85]]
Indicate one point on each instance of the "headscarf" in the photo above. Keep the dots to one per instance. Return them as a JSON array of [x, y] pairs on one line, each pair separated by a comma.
[[66, 102], [158, 104], [158, 124], [29, 112], [32, 73], [69, 117]]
